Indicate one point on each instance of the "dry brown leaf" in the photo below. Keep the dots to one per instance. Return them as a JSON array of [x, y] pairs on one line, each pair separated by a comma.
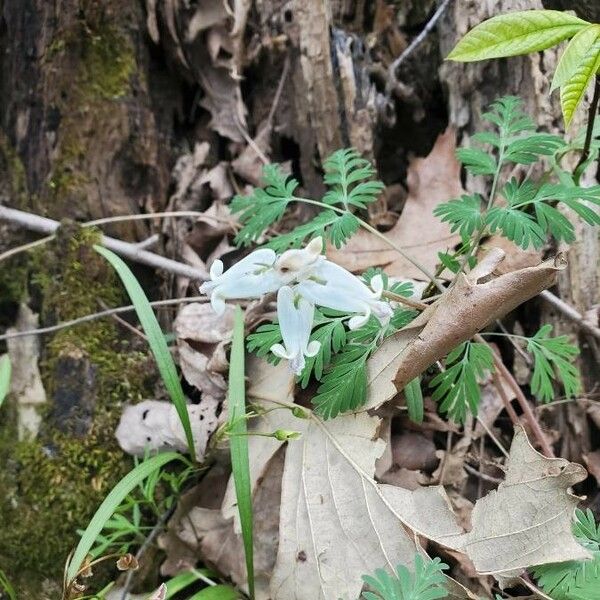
[[527, 521], [475, 300], [201, 335], [336, 523], [431, 180]]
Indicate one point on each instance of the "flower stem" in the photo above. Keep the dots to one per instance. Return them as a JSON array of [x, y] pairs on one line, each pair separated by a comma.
[[380, 235]]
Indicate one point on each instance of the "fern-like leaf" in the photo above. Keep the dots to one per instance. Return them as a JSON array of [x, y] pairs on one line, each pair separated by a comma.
[[463, 214], [265, 206], [553, 361], [575, 580], [516, 225], [426, 583], [349, 177], [456, 388], [335, 227]]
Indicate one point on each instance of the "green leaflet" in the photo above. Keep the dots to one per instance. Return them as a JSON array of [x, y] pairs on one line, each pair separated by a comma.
[[5, 372], [348, 176], [516, 33], [414, 400], [573, 91], [554, 357], [456, 388], [574, 54], [426, 583], [575, 580]]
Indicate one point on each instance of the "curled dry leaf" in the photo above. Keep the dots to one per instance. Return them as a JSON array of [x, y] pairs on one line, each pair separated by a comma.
[[475, 300], [155, 425], [431, 180], [128, 562]]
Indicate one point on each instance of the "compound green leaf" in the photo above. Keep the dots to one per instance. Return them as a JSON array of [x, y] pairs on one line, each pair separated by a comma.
[[516, 33], [574, 54], [573, 91]]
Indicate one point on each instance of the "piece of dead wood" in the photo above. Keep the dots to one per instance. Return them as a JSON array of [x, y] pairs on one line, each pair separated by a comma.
[[431, 180], [26, 382], [476, 299]]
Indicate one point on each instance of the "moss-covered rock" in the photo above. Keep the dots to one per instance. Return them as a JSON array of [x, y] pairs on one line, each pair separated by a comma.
[[53, 485]]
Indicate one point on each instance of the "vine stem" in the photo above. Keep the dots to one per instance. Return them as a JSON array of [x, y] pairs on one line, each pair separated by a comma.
[[585, 154], [490, 203]]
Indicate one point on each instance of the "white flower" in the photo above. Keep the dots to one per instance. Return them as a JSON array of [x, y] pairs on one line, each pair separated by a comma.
[[333, 287], [296, 265], [295, 315], [251, 277]]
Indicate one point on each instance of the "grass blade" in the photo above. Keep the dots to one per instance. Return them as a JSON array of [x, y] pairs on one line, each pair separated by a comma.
[[238, 441], [217, 592], [182, 581], [6, 587], [156, 339], [111, 503], [5, 372]]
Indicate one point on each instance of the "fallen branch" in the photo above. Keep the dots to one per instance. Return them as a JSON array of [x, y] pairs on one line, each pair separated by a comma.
[[568, 311], [125, 249], [99, 315]]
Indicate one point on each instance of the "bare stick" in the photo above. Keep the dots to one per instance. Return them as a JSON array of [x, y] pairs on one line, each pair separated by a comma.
[[568, 311], [125, 249], [505, 400], [528, 413], [393, 68], [99, 315]]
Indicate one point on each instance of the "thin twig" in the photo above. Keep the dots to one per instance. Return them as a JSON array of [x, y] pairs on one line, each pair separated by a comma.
[[25, 247], [528, 413], [279, 91], [124, 323], [98, 315], [528, 584], [125, 249], [145, 545], [568, 311], [416, 304], [469, 469], [505, 400], [393, 68], [492, 436]]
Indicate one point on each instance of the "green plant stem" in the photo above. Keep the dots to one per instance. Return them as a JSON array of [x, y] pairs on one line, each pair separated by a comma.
[[489, 205], [585, 154], [380, 235]]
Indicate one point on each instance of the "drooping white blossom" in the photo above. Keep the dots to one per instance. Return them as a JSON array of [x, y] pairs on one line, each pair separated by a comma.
[[304, 278], [295, 316], [251, 277], [333, 287]]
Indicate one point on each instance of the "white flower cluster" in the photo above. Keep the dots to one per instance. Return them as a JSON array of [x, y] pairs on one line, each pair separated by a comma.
[[302, 279]]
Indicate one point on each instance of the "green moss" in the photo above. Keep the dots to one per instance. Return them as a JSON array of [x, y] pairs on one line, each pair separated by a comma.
[[54, 484], [12, 171], [105, 64]]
